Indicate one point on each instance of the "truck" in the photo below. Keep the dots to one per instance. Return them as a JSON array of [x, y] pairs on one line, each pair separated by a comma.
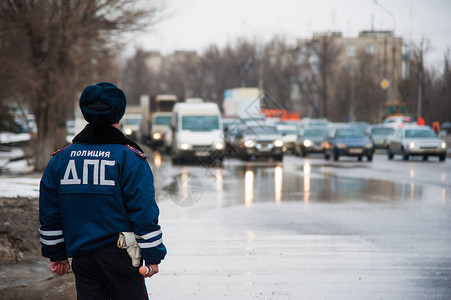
[[161, 135], [160, 108], [131, 126], [242, 103], [394, 109]]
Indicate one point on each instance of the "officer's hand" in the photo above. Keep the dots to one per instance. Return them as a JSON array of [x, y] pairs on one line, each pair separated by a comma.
[[153, 272], [60, 267]]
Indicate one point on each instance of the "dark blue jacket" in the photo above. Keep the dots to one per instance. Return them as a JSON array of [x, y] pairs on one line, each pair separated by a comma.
[[91, 192]]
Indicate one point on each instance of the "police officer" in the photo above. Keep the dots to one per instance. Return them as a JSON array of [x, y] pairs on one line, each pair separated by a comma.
[[91, 191]]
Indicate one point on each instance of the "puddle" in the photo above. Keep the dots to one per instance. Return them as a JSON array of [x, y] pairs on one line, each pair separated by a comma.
[[250, 184]]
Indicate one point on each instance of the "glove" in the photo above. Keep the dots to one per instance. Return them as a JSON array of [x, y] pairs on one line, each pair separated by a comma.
[[127, 241]]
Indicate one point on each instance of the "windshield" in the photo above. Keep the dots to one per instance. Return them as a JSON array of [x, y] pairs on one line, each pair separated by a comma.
[[382, 131], [315, 133], [132, 121], [349, 133], [200, 123], [317, 123], [163, 120], [256, 130], [288, 131], [419, 133]]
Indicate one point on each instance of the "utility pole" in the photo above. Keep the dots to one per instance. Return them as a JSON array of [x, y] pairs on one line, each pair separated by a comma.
[[393, 85], [261, 67], [421, 82]]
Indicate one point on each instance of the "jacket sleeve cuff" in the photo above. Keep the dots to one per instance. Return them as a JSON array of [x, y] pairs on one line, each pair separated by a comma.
[[58, 259], [153, 261]]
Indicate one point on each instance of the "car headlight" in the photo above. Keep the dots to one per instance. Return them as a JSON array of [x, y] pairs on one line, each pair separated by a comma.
[[411, 145], [278, 143], [128, 131], [443, 145], [185, 146], [249, 143], [341, 145], [156, 136], [308, 143], [368, 145], [219, 146]]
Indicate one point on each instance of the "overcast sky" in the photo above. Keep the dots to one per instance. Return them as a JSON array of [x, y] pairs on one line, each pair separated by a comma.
[[194, 24]]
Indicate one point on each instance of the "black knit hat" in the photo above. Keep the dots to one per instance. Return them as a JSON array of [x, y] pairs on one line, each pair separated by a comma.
[[103, 103]]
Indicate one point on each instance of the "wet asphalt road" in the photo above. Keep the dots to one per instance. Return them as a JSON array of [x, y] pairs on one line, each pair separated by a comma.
[[305, 228]]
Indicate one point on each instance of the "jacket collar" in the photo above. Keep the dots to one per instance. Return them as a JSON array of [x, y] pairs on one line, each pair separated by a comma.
[[103, 134]]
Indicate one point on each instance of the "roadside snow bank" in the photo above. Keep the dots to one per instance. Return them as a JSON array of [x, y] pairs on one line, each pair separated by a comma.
[[24, 187]]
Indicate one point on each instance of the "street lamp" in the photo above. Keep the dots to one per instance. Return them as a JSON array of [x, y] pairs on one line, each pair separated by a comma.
[[393, 70]]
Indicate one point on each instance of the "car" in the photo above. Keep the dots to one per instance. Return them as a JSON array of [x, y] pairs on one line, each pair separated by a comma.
[[348, 141], [290, 138], [231, 127], [379, 134], [161, 126], [416, 141], [312, 139], [260, 141], [308, 122], [361, 125], [131, 126], [399, 121]]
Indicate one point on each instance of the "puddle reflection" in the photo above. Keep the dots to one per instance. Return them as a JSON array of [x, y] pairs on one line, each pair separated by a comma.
[[218, 187], [249, 187], [157, 159], [278, 180], [412, 191], [261, 182], [307, 169]]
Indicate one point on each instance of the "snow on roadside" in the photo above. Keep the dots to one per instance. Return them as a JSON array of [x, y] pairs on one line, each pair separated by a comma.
[[8, 137], [25, 187]]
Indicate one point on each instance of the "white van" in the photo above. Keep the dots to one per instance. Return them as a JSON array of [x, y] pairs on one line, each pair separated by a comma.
[[196, 132]]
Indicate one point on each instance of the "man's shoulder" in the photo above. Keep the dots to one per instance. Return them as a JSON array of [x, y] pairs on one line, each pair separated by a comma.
[[137, 152], [58, 151]]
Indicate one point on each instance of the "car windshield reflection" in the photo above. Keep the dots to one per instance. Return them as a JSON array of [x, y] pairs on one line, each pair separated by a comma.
[[261, 130], [315, 133], [382, 131], [349, 133], [420, 134]]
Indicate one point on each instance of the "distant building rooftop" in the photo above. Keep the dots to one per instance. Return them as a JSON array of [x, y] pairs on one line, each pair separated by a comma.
[[375, 34]]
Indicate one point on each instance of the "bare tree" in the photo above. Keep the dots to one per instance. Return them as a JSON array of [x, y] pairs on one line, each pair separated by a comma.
[[233, 66], [368, 96], [327, 51], [413, 89], [418, 53], [280, 71], [307, 80], [344, 91], [137, 78], [438, 90], [52, 48], [183, 74]]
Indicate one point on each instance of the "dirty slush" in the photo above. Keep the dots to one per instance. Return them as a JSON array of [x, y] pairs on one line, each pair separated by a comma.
[[24, 273]]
